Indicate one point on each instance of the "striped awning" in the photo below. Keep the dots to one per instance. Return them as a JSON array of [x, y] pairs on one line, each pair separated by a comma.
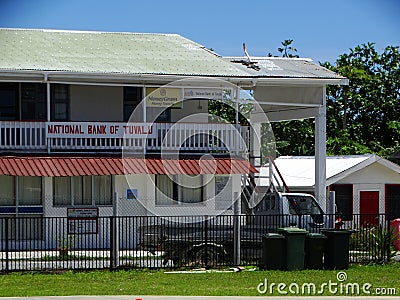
[[82, 166]]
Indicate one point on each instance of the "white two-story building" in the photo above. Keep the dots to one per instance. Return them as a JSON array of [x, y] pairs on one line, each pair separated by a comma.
[[88, 117]]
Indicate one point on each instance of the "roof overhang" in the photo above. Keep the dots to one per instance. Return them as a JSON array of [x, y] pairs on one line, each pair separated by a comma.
[[87, 166]]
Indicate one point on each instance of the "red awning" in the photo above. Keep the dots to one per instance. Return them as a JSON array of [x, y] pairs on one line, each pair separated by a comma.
[[81, 166]]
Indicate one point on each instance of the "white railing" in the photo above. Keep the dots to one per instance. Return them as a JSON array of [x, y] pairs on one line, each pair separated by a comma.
[[20, 135], [140, 137]]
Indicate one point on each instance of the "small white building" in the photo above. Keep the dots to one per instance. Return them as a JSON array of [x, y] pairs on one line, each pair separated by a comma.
[[363, 184]]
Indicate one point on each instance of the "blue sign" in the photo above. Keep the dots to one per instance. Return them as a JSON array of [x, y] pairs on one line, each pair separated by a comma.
[[131, 194]]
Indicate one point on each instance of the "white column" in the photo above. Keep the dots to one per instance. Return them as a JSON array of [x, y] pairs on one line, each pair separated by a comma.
[[237, 133], [255, 144], [320, 154]]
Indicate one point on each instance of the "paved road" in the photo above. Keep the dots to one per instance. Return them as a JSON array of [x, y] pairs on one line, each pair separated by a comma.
[[193, 298]]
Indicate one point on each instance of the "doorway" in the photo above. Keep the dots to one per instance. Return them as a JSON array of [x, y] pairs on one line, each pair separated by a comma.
[[369, 208]]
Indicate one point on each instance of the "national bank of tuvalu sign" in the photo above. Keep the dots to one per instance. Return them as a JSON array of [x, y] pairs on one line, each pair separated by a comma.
[[99, 130]]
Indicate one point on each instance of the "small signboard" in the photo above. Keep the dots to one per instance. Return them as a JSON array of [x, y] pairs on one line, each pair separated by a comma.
[[131, 194], [82, 220], [164, 97], [82, 226]]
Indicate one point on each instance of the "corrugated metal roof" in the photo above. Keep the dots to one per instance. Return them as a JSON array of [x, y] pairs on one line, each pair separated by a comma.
[[81, 166], [299, 171], [134, 54], [283, 67], [109, 53]]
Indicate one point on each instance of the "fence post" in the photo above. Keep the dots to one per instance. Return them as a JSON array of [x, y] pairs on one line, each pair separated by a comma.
[[205, 253], [236, 230], [331, 208], [6, 245], [114, 247]]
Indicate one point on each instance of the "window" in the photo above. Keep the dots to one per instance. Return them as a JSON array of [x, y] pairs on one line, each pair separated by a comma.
[[9, 101], [393, 200], [59, 102], [344, 200], [33, 101], [25, 223], [29, 190], [179, 189], [62, 191], [303, 205], [7, 190], [82, 190], [132, 97], [102, 190]]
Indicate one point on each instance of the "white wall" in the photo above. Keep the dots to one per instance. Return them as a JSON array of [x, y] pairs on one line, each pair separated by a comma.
[[96, 103], [193, 110], [131, 207]]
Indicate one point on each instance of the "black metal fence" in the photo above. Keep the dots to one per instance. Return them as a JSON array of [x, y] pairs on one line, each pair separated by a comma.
[[44, 243]]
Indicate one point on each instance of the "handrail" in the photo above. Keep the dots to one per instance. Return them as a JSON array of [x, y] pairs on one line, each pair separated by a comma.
[[279, 174]]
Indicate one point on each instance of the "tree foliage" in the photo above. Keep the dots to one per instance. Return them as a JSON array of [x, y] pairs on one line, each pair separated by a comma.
[[362, 117], [287, 49]]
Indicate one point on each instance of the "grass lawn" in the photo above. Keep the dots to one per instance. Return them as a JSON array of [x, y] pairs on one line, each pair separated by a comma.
[[147, 282]]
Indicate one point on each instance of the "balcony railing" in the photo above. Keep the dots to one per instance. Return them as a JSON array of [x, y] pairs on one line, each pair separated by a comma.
[[20, 136]]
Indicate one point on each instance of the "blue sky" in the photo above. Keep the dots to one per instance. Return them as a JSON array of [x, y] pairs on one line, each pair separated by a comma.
[[321, 29]]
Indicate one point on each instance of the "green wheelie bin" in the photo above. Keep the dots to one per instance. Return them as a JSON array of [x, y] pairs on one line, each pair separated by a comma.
[[295, 246], [336, 249], [315, 247], [273, 250]]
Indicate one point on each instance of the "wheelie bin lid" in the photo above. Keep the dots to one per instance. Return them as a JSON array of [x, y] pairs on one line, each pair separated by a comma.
[[313, 235], [330, 231], [271, 235], [292, 230]]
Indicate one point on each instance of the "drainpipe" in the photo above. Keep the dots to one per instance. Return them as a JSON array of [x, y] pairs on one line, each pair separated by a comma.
[[237, 134]]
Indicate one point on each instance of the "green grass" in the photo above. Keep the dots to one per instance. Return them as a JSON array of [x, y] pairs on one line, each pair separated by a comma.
[[147, 282]]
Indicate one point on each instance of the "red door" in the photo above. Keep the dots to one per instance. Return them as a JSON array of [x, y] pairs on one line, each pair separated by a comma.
[[369, 208]]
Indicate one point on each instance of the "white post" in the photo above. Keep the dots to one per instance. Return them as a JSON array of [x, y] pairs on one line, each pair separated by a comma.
[[144, 140], [48, 95], [255, 144], [236, 229], [320, 154], [237, 133]]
